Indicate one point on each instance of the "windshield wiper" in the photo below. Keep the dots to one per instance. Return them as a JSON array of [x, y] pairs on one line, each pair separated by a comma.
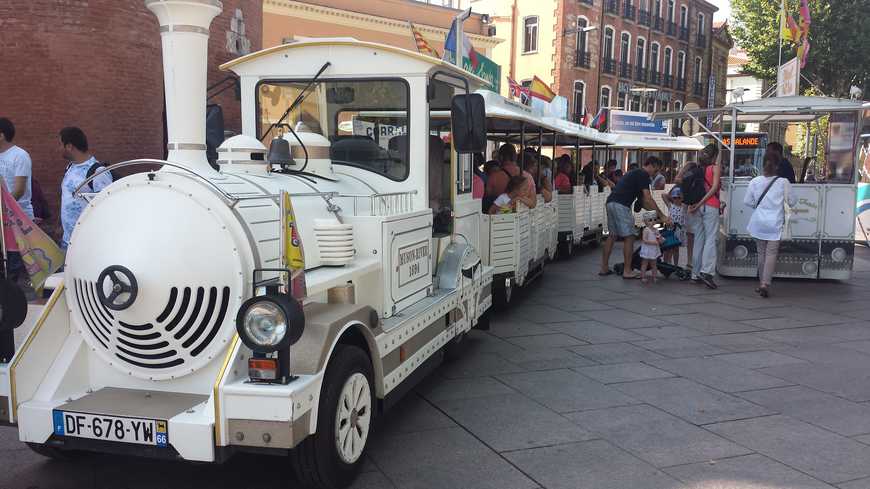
[[299, 99]]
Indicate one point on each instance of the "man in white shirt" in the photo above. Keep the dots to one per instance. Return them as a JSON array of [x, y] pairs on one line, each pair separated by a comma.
[[16, 168], [82, 164]]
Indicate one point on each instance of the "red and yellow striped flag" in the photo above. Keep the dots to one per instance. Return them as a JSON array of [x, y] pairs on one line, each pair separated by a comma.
[[422, 44]]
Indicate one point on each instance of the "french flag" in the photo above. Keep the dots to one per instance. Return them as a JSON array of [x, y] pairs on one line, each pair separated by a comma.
[[467, 49]]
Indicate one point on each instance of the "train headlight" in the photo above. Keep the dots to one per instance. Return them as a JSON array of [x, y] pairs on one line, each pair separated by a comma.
[[270, 323], [838, 255], [741, 252]]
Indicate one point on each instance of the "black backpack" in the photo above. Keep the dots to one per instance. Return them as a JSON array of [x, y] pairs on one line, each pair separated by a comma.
[[693, 186], [92, 171]]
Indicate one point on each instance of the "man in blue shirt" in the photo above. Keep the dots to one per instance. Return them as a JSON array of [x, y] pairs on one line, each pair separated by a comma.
[[74, 145]]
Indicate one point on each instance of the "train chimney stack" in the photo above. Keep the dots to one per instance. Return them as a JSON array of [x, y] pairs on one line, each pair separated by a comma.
[[184, 35]]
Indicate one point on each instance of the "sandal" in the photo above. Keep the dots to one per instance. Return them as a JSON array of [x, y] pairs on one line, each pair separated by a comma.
[[604, 274], [632, 277]]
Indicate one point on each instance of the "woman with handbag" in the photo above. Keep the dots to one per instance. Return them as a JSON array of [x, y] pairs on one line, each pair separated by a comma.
[[769, 196]]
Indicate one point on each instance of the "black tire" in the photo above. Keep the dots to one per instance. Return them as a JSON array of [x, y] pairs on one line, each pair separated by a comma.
[[316, 460], [13, 305]]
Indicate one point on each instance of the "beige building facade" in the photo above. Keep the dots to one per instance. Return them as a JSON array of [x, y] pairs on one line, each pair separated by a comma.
[[382, 21]]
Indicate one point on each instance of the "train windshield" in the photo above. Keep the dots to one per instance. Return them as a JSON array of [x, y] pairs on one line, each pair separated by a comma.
[[748, 152], [366, 121]]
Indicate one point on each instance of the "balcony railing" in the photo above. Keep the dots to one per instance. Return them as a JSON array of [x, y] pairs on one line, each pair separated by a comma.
[[629, 11], [655, 77], [609, 66], [702, 40], [582, 59], [659, 23], [681, 84], [684, 34], [672, 28], [611, 7], [640, 74], [644, 17], [624, 70], [698, 89], [668, 80]]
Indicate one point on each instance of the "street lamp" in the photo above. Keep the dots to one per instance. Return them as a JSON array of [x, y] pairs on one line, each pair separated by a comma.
[[578, 30]]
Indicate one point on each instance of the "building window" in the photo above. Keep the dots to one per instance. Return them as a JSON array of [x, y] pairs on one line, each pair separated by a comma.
[[671, 6], [654, 56], [622, 101], [650, 104], [666, 106], [698, 70], [608, 43], [702, 24], [530, 40], [681, 65], [605, 98], [625, 48], [579, 99], [635, 103], [668, 56], [582, 23], [678, 105], [684, 16], [640, 53], [657, 10]]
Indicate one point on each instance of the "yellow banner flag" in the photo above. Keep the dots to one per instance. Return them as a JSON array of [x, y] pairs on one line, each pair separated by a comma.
[[39, 253], [293, 253]]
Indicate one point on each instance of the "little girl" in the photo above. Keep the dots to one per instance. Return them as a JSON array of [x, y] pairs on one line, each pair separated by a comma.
[[650, 247], [677, 214]]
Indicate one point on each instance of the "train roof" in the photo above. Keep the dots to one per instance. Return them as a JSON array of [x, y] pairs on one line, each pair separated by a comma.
[[348, 57], [771, 109]]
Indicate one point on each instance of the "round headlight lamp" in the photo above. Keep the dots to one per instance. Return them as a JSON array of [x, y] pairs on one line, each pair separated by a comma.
[[270, 323]]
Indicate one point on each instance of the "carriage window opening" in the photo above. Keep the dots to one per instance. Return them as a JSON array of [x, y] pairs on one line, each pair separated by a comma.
[[365, 121]]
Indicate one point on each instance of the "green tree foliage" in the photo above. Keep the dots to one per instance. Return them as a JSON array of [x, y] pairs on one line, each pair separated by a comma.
[[839, 42]]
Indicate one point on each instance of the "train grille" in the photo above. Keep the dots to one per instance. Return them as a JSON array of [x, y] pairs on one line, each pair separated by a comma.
[[188, 324]]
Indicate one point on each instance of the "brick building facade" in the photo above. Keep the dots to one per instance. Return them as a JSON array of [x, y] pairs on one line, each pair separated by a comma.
[[97, 65], [642, 55]]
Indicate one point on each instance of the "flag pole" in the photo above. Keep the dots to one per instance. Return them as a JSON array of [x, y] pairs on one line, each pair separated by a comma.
[[782, 14], [460, 38]]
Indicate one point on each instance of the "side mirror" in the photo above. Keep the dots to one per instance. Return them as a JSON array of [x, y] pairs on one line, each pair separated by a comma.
[[468, 118]]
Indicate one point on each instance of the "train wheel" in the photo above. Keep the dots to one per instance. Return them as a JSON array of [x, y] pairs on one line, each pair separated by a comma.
[[332, 457]]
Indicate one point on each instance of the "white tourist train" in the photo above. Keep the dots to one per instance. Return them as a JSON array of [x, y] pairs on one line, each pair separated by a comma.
[[280, 301]]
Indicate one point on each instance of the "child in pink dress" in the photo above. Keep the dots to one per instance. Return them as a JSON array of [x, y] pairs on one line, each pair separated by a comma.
[[650, 247]]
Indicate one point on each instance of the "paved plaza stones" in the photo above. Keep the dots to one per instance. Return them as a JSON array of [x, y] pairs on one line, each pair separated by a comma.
[[600, 383]]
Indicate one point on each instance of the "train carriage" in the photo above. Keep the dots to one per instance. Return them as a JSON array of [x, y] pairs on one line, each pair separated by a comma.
[[822, 224], [278, 303]]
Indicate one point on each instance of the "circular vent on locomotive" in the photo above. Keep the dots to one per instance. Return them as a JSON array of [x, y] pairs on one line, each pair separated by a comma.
[[177, 341]]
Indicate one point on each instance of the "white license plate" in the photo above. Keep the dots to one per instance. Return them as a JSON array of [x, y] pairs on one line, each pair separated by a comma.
[[111, 428]]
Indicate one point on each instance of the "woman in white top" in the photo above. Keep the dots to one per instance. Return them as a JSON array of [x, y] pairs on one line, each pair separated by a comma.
[[765, 195]]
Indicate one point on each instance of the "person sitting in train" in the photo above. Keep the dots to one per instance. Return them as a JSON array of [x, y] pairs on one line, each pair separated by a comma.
[[478, 177], [785, 169], [517, 191], [610, 172], [563, 177], [531, 168], [508, 158]]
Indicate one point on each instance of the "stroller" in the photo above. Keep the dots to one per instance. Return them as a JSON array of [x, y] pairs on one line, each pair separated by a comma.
[[666, 269]]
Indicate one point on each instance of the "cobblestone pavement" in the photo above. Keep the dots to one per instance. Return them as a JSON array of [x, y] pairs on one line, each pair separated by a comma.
[[601, 383]]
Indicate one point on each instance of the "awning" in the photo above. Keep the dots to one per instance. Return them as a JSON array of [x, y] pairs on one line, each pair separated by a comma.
[[771, 109]]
